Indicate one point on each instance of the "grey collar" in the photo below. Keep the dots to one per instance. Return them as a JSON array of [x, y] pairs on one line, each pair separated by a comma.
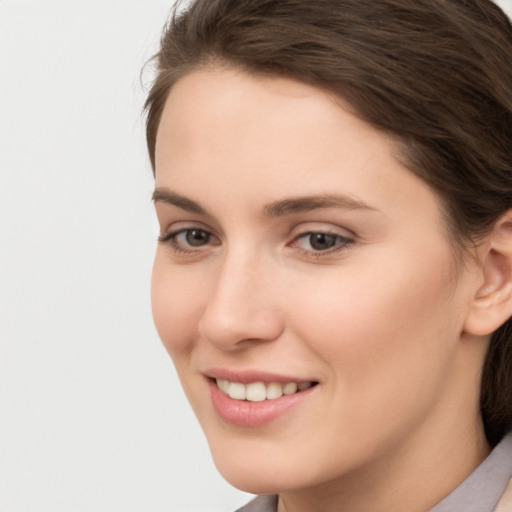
[[482, 490]]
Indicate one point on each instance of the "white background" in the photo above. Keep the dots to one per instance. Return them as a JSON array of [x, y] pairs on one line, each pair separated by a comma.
[[92, 417]]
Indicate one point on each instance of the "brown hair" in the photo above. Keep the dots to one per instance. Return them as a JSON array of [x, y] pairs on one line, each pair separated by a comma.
[[436, 74]]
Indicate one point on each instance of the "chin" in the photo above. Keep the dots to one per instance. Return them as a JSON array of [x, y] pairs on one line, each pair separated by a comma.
[[256, 472], [252, 483], [270, 480], [255, 475]]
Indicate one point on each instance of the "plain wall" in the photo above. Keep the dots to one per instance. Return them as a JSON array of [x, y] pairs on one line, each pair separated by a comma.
[[92, 417]]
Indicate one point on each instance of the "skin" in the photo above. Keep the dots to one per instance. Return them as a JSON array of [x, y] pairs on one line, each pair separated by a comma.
[[379, 320]]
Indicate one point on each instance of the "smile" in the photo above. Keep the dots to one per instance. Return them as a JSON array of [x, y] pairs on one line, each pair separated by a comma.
[[255, 403], [259, 391]]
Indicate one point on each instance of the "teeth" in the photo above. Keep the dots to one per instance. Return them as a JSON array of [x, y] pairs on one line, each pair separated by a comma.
[[224, 385], [290, 388], [274, 390], [236, 390], [258, 391]]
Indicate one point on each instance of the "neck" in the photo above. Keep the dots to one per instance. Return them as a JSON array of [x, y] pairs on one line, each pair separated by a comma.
[[413, 472], [408, 481]]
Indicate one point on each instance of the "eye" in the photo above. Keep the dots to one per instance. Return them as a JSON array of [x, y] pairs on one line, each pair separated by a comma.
[[189, 239], [321, 242], [193, 237]]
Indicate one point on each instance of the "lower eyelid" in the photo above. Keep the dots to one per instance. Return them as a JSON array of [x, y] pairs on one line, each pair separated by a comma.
[[341, 244], [184, 248]]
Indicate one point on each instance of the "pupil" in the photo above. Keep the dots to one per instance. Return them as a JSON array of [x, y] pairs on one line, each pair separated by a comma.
[[322, 241], [197, 237]]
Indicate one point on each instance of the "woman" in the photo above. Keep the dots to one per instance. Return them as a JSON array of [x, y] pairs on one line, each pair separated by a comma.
[[333, 278]]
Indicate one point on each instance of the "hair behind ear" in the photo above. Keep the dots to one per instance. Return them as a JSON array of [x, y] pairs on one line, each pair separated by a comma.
[[496, 386]]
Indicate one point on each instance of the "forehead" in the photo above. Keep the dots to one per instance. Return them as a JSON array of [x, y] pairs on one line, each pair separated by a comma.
[[227, 95], [210, 109], [262, 138]]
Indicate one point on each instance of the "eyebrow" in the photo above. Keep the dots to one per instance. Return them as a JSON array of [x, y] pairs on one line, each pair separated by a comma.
[[163, 195], [308, 203], [274, 209]]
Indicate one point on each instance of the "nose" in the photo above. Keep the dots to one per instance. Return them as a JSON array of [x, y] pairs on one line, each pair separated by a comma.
[[242, 306]]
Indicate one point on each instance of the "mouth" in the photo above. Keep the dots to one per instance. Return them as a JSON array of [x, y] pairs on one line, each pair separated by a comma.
[[259, 400], [261, 391]]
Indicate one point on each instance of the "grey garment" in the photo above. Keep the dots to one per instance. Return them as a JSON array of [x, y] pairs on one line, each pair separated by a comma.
[[480, 492], [261, 504]]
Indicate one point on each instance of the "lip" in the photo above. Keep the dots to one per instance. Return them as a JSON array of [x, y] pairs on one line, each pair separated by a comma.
[[244, 413], [248, 376]]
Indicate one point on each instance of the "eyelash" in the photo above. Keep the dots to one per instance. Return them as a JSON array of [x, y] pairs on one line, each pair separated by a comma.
[[170, 238], [342, 243]]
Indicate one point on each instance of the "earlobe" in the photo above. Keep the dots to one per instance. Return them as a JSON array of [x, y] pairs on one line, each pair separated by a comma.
[[492, 304]]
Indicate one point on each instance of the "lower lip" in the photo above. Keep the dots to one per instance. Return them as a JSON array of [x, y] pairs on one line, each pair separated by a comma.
[[244, 413]]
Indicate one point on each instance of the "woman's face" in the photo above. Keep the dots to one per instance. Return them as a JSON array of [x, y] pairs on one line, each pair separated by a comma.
[[296, 252]]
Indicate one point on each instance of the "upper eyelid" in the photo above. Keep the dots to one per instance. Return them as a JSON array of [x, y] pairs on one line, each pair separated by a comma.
[[296, 231], [329, 233], [169, 214], [175, 232], [177, 226], [322, 227]]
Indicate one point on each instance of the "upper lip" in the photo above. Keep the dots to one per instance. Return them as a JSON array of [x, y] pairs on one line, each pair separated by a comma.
[[252, 375]]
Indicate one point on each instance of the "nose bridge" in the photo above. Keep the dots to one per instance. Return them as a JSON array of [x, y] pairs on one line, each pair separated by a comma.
[[240, 306]]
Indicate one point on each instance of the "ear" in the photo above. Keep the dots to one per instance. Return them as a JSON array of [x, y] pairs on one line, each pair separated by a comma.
[[492, 304]]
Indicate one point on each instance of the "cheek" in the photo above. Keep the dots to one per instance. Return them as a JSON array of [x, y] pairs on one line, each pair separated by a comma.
[[390, 320], [177, 303]]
